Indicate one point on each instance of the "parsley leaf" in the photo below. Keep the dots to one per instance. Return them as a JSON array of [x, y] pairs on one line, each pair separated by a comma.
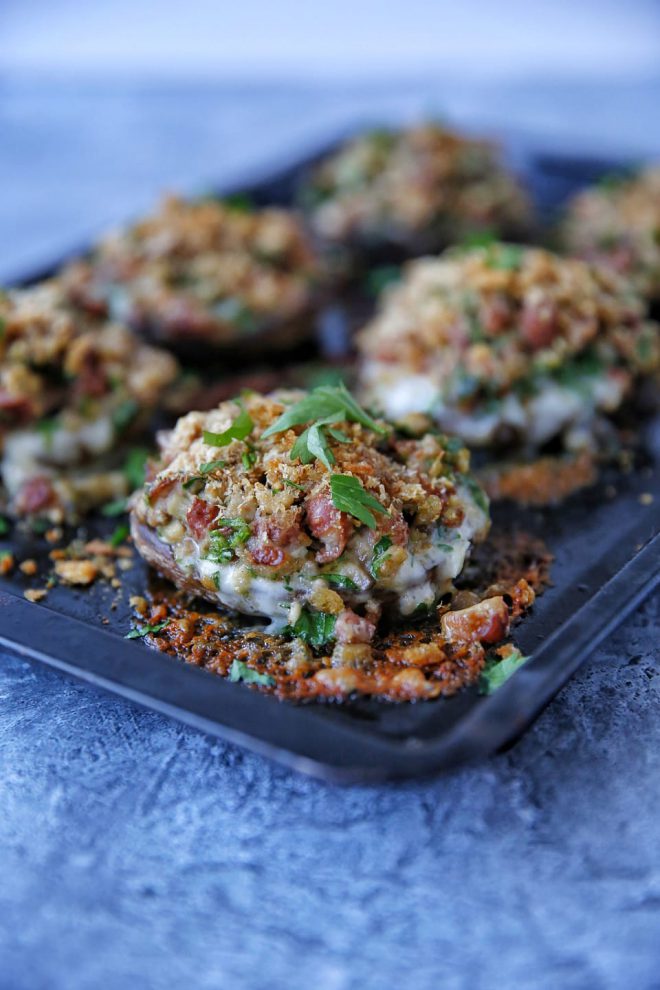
[[341, 581], [497, 672], [332, 403], [348, 495], [124, 414], [119, 535], [240, 428], [134, 467], [505, 257], [476, 491], [229, 534], [4, 526], [139, 632], [292, 484], [315, 628], [116, 508], [379, 554], [382, 276], [209, 466], [239, 671]]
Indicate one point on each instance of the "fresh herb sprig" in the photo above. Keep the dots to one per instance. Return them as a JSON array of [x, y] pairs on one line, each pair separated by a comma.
[[379, 555], [498, 671], [315, 628], [139, 631], [239, 671], [349, 496], [239, 429]]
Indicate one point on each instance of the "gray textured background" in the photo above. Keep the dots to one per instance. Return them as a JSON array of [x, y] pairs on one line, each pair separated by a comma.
[[135, 852]]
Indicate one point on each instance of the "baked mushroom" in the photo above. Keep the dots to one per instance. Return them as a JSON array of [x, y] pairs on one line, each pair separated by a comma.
[[72, 390], [302, 508], [501, 343], [617, 224], [412, 191], [205, 274]]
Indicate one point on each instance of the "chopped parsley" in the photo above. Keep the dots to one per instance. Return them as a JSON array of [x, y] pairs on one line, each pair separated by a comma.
[[476, 491], [505, 257], [330, 403], [232, 310], [315, 628], [124, 414], [497, 672], [341, 581], [209, 466], [4, 526], [292, 484], [239, 202], [134, 467], [348, 495], [119, 535], [382, 276], [48, 428], [3, 327], [139, 631], [224, 540], [239, 671], [116, 508], [196, 483], [240, 428], [379, 554], [248, 458], [478, 239]]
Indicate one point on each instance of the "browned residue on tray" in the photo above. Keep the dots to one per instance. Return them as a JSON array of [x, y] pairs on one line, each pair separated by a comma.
[[546, 481], [438, 656]]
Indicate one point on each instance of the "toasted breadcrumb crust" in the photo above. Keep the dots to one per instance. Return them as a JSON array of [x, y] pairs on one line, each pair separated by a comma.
[[203, 270], [617, 224], [476, 328], [425, 185]]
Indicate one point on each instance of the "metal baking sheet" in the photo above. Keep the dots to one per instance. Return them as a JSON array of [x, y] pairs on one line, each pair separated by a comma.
[[606, 544]]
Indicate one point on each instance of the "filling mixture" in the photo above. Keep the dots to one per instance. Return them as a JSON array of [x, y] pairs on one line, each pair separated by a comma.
[[207, 270], [617, 224], [502, 344], [71, 390], [421, 188]]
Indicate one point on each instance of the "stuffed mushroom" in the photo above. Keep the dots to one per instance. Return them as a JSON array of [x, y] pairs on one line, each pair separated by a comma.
[[617, 224], [414, 190], [301, 508], [71, 391], [205, 274], [503, 344]]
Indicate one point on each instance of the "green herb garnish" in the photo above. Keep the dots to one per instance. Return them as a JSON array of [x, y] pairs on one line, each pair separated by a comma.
[[331, 403], [124, 414], [315, 628], [134, 467], [240, 428], [232, 310], [116, 508], [476, 491], [119, 535], [139, 632], [292, 484], [48, 428], [505, 257], [195, 482], [239, 671], [478, 239], [348, 495], [379, 554], [240, 202], [381, 277], [4, 526], [224, 540], [341, 581], [212, 466], [497, 672], [248, 458]]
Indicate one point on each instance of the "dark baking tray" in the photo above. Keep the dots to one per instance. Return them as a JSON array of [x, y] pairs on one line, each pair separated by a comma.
[[606, 543]]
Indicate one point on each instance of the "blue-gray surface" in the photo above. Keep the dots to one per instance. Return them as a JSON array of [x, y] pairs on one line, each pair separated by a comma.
[[136, 852]]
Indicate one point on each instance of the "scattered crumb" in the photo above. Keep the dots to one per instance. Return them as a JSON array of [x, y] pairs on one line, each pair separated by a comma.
[[115, 582], [76, 571], [6, 562], [646, 498], [59, 554], [124, 565], [29, 567], [35, 594], [54, 534]]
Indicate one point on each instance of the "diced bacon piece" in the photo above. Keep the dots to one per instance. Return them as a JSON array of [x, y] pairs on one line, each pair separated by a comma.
[[35, 495], [266, 554], [16, 406], [539, 324], [486, 622], [199, 517], [352, 628], [332, 527]]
